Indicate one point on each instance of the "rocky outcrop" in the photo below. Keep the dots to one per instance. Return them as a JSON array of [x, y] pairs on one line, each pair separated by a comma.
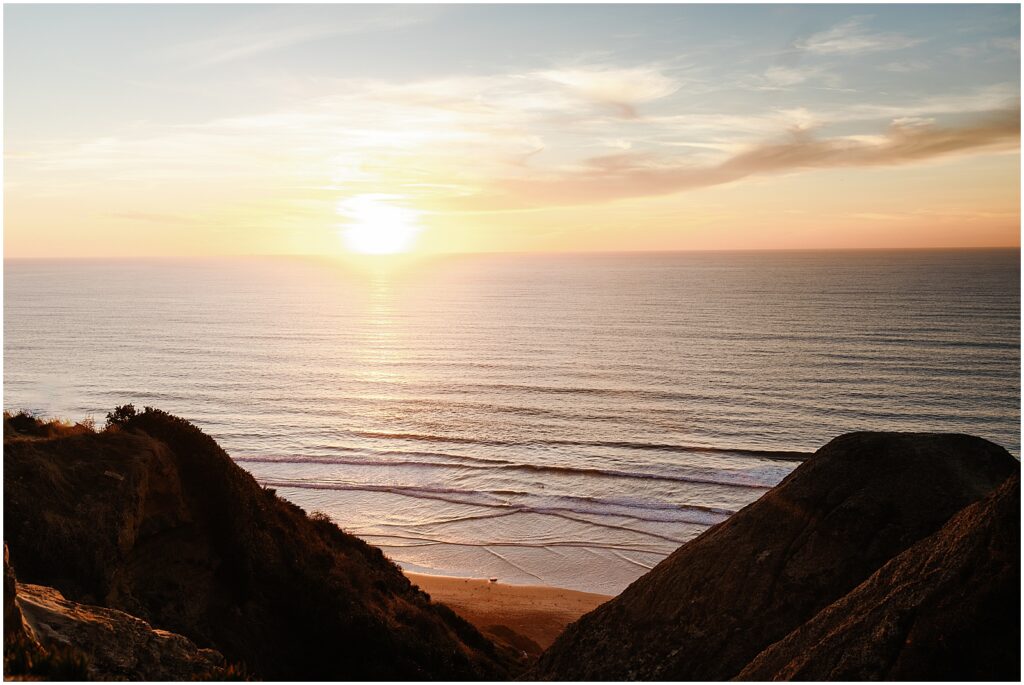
[[119, 646], [25, 658], [14, 622], [152, 518], [948, 608], [720, 600], [49, 637]]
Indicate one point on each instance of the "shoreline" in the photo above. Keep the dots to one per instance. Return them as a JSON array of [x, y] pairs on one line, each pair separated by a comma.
[[527, 617]]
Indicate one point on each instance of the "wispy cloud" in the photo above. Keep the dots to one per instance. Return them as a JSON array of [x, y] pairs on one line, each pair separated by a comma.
[[642, 174], [622, 89], [790, 77], [275, 30], [999, 96], [228, 48], [852, 37], [514, 141], [994, 47], [369, 126], [1004, 43], [905, 67]]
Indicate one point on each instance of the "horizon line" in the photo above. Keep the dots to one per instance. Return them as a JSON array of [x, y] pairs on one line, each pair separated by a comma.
[[381, 258]]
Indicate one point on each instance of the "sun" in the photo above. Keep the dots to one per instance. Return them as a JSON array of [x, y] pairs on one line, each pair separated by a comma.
[[376, 224]]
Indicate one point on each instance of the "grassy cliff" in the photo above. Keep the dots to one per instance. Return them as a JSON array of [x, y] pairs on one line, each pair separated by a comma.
[[150, 516]]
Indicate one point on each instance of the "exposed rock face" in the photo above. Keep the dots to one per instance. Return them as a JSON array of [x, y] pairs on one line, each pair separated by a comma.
[[119, 646], [713, 605], [14, 623], [948, 608], [47, 636], [154, 519]]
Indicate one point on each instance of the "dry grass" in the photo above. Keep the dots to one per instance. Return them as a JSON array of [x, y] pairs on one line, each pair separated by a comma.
[[24, 426], [24, 659]]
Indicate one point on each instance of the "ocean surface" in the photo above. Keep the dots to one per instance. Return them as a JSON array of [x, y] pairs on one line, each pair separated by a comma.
[[567, 420]]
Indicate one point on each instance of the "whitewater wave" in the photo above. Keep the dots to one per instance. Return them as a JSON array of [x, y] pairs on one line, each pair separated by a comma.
[[511, 501], [782, 455], [757, 479]]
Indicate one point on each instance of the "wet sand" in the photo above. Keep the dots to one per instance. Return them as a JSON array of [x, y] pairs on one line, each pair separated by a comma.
[[511, 612]]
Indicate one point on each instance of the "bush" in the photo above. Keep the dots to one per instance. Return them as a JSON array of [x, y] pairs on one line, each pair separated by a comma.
[[121, 415]]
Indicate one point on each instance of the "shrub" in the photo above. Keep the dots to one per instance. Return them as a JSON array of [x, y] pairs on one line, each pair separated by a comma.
[[22, 422], [320, 517], [121, 415]]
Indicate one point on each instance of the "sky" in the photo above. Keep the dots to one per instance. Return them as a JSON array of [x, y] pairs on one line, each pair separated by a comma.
[[174, 130]]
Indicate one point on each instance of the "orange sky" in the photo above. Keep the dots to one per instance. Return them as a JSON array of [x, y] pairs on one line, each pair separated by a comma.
[[328, 130]]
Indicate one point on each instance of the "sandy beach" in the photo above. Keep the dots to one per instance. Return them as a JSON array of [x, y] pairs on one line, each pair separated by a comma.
[[510, 613]]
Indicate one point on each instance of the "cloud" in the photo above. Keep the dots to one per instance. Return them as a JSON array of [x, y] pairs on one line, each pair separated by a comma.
[[622, 89], [1004, 43], [906, 67], [643, 174], [273, 30], [488, 142], [993, 97], [852, 37], [788, 76], [905, 141], [994, 47], [458, 129], [231, 47]]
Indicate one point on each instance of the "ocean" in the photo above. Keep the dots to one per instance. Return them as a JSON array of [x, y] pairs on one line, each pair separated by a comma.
[[560, 419]]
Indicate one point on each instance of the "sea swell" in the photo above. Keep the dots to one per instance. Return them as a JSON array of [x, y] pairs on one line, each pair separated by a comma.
[[757, 479], [524, 502], [782, 455]]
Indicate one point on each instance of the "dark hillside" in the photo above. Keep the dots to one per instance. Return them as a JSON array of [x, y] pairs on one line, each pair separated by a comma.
[[948, 608], [152, 517], [719, 600]]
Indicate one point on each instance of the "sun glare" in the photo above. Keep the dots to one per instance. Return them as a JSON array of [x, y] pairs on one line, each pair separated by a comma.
[[376, 224]]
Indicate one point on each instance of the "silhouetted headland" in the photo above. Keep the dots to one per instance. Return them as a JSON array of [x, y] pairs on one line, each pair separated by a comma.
[[815, 552]]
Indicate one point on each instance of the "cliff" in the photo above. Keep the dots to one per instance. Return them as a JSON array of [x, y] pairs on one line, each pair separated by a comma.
[[948, 608], [719, 601], [152, 518]]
